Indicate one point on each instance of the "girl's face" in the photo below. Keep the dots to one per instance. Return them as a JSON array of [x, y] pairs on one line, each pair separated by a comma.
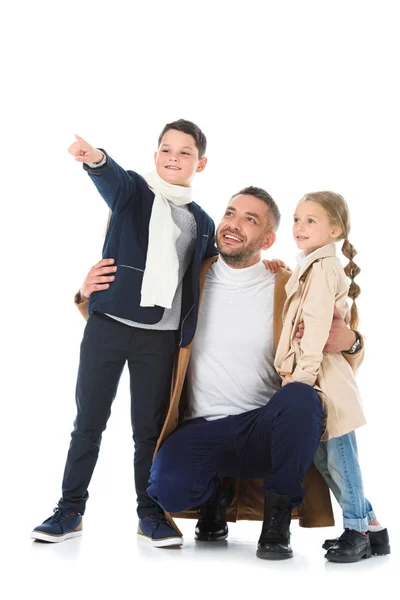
[[311, 227]]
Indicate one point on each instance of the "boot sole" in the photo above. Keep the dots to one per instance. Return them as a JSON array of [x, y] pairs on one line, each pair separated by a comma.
[[48, 537], [380, 551], [347, 559], [209, 538], [274, 555], [375, 550]]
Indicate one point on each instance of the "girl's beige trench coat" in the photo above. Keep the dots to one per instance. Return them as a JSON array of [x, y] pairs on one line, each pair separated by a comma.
[[312, 292]]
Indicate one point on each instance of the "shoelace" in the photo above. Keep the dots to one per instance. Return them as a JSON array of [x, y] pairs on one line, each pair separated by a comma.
[[347, 537], [157, 520], [275, 521], [59, 515], [273, 525]]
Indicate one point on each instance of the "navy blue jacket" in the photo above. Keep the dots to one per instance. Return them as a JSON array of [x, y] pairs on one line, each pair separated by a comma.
[[130, 200]]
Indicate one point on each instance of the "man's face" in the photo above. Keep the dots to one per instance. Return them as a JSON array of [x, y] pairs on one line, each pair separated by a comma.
[[177, 159], [244, 231]]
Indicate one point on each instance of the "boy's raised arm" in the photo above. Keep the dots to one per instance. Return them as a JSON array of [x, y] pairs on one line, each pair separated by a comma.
[[114, 184]]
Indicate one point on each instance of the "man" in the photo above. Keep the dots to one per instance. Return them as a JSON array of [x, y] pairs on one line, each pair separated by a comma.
[[238, 422]]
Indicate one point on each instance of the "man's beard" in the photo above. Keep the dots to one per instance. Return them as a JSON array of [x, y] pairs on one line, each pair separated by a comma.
[[242, 255]]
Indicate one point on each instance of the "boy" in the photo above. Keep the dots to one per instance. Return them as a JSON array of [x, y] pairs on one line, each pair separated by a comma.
[[158, 238]]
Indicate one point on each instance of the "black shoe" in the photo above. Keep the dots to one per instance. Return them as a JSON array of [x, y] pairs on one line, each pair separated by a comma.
[[274, 542], [212, 525], [379, 541], [351, 547]]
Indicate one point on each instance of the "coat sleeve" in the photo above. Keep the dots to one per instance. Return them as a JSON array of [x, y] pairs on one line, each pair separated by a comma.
[[115, 185], [317, 315], [82, 305]]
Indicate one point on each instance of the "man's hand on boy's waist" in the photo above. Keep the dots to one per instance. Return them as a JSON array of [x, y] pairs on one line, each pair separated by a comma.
[[99, 278]]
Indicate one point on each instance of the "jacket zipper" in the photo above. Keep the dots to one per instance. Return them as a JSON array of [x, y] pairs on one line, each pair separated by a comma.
[[129, 267], [183, 323]]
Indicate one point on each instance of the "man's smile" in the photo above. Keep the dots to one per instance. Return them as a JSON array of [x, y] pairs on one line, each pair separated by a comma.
[[230, 238]]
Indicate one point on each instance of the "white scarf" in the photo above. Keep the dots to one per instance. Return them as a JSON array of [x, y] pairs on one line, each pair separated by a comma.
[[160, 279]]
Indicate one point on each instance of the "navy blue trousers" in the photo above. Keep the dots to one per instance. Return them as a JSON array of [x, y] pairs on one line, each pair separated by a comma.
[[106, 346], [276, 442]]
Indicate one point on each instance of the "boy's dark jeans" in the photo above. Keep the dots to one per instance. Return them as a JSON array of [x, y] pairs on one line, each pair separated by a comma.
[[106, 346]]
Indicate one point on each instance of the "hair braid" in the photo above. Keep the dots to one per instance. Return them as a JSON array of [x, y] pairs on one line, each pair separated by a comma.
[[352, 270]]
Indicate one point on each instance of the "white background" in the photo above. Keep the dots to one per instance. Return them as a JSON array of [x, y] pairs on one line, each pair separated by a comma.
[[293, 97]]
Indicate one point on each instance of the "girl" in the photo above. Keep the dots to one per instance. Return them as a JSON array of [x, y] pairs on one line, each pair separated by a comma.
[[318, 285]]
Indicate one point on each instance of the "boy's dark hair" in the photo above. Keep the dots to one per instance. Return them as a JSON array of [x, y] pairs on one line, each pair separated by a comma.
[[265, 197], [190, 128]]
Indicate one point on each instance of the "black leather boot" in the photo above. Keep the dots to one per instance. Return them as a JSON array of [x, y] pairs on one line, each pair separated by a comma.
[[274, 542], [212, 525], [351, 547], [379, 541]]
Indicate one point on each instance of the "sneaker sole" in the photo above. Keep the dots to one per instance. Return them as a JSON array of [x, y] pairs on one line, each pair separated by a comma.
[[163, 543], [48, 537]]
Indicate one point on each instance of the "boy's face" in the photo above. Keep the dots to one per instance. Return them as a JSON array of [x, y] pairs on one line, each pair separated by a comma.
[[177, 159]]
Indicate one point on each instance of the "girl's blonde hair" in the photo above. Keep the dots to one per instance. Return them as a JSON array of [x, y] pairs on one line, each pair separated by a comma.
[[339, 216]]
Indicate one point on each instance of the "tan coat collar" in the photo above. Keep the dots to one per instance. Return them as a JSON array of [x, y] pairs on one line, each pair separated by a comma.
[[324, 252]]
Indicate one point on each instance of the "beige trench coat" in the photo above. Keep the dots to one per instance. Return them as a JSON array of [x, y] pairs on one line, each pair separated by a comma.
[[312, 292], [248, 503]]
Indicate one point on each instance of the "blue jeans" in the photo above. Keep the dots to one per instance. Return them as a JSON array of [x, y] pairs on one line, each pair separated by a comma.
[[337, 461]]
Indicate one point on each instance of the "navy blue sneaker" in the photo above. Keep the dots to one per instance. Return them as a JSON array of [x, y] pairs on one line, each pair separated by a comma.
[[157, 530], [64, 524]]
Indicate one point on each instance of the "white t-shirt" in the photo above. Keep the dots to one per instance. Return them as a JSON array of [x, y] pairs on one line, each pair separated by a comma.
[[231, 368]]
